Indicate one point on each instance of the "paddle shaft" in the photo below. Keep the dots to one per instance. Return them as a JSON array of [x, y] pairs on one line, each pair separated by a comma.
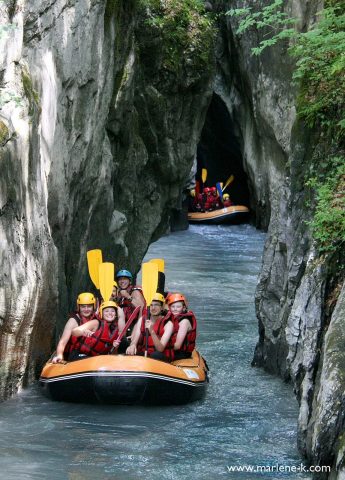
[[147, 332], [126, 327]]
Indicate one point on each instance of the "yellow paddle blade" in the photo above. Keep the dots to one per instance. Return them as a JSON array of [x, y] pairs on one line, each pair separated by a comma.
[[203, 175], [227, 183], [160, 263], [149, 279], [106, 279], [94, 259]]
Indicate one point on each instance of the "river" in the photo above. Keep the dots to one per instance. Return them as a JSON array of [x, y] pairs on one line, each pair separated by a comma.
[[247, 419]]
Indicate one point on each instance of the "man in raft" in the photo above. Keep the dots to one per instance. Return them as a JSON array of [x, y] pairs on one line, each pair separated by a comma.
[[84, 322], [185, 325], [130, 296], [153, 335]]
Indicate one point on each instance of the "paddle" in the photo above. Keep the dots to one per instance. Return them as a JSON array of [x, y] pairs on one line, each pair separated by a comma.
[[126, 327], [161, 274], [203, 175], [94, 259], [197, 189], [106, 279], [227, 183], [219, 189], [149, 275]]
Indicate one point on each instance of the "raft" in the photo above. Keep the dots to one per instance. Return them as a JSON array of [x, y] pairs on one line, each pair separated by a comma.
[[233, 214], [126, 380]]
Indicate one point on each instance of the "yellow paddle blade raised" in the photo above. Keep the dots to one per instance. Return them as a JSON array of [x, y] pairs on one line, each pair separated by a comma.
[[160, 263], [106, 279], [227, 183], [94, 259], [203, 175], [149, 278]]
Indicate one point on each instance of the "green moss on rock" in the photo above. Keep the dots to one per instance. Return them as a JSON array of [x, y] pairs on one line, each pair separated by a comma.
[[4, 133], [30, 93]]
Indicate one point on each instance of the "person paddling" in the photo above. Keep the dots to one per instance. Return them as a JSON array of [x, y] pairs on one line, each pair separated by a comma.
[[86, 304], [185, 326], [160, 329]]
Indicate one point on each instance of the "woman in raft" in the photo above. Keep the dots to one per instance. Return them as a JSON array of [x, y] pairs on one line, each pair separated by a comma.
[[91, 337], [185, 325], [153, 335]]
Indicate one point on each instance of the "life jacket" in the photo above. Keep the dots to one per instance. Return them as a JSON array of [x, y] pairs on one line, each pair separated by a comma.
[[101, 342], [188, 344], [125, 304], [73, 342], [159, 331]]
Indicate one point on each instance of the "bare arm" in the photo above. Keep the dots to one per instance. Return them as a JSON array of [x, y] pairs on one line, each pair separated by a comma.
[[161, 343], [66, 335], [121, 319], [138, 299], [132, 349], [87, 329], [184, 327]]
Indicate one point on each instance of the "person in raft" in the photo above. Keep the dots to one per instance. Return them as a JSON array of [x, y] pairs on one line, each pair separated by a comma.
[[86, 306], [159, 328], [98, 336], [184, 326], [130, 296]]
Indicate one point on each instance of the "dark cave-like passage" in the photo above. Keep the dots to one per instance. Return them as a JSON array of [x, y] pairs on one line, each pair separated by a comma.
[[219, 151]]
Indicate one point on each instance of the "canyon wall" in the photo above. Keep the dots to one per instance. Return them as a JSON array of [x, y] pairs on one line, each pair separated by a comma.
[[98, 134]]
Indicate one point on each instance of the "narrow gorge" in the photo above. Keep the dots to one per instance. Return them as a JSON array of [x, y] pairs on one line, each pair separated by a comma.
[[103, 108]]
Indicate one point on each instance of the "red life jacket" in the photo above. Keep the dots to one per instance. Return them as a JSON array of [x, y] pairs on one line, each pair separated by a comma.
[[73, 342], [128, 307], [158, 328], [188, 344], [101, 342]]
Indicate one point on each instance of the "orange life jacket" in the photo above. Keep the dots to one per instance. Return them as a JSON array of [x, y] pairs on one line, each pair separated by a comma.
[[73, 342], [188, 344], [101, 342], [128, 307], [158, 328]]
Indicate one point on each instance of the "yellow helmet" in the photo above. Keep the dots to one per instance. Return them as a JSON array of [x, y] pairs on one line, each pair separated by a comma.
[[86, 299], [107, 305], [158, 297], [226, 196]]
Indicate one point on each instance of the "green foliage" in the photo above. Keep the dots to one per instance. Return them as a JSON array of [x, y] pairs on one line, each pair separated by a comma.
[[320, 70], [328, 224], [320, 77], [271, 19], [186, 32]]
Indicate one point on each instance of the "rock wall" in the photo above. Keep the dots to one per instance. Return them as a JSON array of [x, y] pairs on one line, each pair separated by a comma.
[[95, 145], [295, 340]]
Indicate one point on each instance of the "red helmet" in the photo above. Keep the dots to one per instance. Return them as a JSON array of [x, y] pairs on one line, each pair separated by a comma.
[[175, 297], [213, 189], [207, 190]]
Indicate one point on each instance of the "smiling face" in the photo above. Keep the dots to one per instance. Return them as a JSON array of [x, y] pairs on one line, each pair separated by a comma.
[[176, 308], [109, 314], [86, 310], [123, 282]]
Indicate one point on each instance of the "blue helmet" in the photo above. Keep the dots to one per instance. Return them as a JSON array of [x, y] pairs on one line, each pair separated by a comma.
[[124, 273]]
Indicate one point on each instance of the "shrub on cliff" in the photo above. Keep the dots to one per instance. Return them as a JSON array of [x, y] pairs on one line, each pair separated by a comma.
[[320, 77], [185, 32]]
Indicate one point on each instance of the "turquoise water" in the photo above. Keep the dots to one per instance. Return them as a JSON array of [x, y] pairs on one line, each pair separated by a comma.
[[247, 419]]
